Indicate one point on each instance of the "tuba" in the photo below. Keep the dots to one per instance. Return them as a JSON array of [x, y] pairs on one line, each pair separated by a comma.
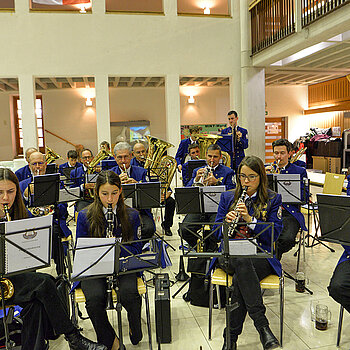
[[6, 285], [51, 156], [163, 167]]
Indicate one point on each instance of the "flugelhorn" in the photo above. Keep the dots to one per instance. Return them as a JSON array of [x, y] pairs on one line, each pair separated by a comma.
[[7, 286]]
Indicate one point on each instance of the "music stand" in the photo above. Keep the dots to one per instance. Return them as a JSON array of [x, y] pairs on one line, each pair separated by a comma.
[[329, 208], [51, 168], [129, 194], [187, 200], [194, 164], [46, 190], [101, 257], [25, 245], [108, 164]]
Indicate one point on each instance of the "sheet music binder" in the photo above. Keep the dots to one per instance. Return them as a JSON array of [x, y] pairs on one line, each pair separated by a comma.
[[46, 190]]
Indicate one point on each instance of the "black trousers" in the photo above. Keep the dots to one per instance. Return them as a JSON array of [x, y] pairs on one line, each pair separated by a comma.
[[147, 226], [247, 273], [96, 297], [290, 229], [44, 313], [339, 287], [169, 212], [188, 230]]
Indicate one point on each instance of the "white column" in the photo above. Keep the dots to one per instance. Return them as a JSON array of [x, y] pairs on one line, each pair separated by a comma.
[[99, 7], [21, 7], [252, 90], [297, 5], [27, 96], [170, 7], [102, 108], [172, 107], [236, 94]]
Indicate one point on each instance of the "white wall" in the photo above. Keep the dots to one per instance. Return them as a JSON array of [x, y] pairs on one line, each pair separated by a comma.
[[6, 146], [288, 101]]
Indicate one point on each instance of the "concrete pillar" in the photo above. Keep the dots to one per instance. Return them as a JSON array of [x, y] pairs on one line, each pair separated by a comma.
[[102, 109], [170, 7], [99, 7], [27, 96], [21, 7]]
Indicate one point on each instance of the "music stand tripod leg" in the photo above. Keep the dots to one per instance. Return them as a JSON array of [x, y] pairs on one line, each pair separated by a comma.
[[286, 274], [181, 288], [9, 344]]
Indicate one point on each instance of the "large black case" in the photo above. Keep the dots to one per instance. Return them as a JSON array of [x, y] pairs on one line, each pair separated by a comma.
[[162, 304]]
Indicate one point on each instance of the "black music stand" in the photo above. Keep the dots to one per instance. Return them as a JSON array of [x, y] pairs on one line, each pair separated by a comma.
[[46, 190], [51, 168], [105, 257], [19, 253], [194, 164]]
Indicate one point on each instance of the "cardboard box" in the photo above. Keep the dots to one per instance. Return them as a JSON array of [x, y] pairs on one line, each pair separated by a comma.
[[334, 165], [320, 163]]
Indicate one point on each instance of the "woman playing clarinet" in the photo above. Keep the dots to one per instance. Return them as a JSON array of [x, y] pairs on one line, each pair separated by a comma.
[[258, 204], [92, 222]]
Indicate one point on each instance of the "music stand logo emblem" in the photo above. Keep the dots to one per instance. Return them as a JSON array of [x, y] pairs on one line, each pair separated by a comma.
[[30, 234]]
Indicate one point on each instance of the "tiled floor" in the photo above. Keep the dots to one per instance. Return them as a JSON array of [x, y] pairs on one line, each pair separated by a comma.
[[190, 323]]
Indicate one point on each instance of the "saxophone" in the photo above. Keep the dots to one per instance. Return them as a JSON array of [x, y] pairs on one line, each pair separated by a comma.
[[232, 227], [110, 227], [6, 285]]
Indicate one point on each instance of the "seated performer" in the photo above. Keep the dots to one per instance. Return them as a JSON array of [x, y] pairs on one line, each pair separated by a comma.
[[211, 175], [44, 315], [78, 176], [37, 166], [183, 147], [139, 152], [24, 172], [72, 157], [92, 223], [292, 218], [130, 174], [193, 152], [105, 145], [260, 205], [239, 139]]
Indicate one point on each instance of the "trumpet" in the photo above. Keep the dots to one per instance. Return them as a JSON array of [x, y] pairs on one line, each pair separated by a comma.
[[124, 173], [7, 286], [109, 233], [232, 227], [208, 170]]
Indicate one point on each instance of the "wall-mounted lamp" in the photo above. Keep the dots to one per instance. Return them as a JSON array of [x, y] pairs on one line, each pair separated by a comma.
[[88, 102], [191, 99], [207, 10]]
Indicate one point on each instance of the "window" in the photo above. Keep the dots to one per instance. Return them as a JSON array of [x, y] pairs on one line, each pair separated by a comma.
[[17, 107]]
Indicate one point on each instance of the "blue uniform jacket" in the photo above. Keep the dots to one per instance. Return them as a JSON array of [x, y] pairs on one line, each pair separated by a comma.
[[240, 146], [66, 165], [23, 173], [138, 174], [348, 186], [220, 171], [346, 255], [300, 163], [182, 151], [83, 230], [136, 162], [185, 178], [60, 215], [291, 168], [273, 214], [77, 175]]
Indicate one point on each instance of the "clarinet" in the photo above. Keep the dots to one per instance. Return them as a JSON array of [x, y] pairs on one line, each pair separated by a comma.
[[233, 224], [110, 227]]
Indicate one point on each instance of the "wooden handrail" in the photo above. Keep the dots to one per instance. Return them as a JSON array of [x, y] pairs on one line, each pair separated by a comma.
[[78, 147], [253, 4]]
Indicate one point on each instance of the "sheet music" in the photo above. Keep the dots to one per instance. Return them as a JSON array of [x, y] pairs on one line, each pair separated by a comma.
[[91, 178], [95, 248], [69, 194], [211, 198], [31, 236], [242, 247]]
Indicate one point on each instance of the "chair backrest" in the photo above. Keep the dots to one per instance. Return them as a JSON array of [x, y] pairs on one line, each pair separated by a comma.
[[333, 184]]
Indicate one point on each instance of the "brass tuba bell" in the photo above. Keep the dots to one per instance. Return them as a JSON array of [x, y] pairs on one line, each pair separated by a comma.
[[51, 156]]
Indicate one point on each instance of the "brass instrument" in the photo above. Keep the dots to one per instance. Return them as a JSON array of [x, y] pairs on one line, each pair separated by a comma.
[[6, 285], [124, 171], [51, 156], [164, 167], [298, 154], [275, 169], [208, 169], [109, 234], [232, 227]]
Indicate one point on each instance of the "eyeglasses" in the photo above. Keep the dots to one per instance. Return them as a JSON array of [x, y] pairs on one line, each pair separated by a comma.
[[37, 164], [87, 157], [251, 177]]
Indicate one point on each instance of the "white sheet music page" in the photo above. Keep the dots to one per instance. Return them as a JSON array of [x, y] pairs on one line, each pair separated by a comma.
[[31, 235], [211, 198], [94, 248]]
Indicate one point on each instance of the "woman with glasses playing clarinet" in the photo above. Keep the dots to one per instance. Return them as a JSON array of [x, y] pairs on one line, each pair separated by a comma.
[[257, 204], [92, 222], [44, 315]]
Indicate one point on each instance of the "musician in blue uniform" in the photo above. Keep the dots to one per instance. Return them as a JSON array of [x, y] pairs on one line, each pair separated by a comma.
[[24, 172], [130, 174], [258, 205], [37, 166], [92, 223], [182, 151], [44, 315], [293, 219], [139, 152], [72, 162], [239, 139], [213, 174], [193, 152]]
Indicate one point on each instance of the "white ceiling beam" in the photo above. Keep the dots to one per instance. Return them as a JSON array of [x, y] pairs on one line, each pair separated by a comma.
[[41, 84], [146, 81], [131, 81], [54, 81], [72, 84]]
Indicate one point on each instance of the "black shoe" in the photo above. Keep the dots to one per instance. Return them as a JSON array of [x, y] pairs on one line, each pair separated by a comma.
[[268, 340], [186, 297], [77, 342], [135, 339], [167, 230], [233, 342]]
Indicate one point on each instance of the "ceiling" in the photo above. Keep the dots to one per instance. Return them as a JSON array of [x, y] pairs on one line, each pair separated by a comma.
[[41, 84], [330, 62]]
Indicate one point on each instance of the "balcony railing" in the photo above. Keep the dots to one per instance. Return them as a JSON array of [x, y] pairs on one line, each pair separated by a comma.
[[315, 9], [271, 21]]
